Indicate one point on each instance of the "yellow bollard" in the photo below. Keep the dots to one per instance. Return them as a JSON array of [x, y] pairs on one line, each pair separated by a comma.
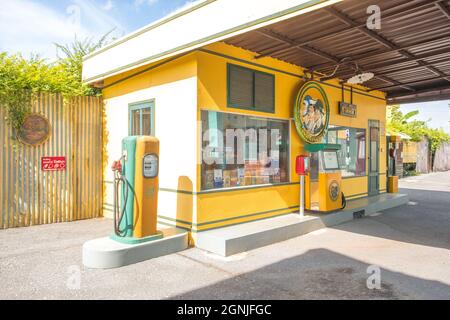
[[393, 184]]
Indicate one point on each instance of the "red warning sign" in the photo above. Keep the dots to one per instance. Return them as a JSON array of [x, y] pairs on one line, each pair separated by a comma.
[[53, 163]]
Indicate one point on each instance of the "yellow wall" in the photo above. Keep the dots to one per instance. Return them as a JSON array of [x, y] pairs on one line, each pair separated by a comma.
[[212, 95], [205, 210]]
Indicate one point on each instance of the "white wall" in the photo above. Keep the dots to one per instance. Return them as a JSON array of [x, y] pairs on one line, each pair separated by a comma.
[[175, 127]]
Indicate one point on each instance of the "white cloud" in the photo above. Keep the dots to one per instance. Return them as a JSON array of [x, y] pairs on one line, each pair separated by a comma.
[[138, 3], [31, 27], [109, 5]]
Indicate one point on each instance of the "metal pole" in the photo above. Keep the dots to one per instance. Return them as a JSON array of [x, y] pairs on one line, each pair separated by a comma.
[[302, 196]]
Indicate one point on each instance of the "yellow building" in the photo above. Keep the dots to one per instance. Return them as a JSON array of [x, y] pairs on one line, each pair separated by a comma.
[[184, 93]]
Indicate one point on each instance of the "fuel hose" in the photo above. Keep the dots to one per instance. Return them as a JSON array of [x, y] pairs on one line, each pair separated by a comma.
[[344, 201], [119, 212]]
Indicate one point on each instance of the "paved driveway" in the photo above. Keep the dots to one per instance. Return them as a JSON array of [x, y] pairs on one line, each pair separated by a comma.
[[410, 245]]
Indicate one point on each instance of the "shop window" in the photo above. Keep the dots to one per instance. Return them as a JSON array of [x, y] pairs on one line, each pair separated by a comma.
[[352, 155], [250, 89], [240, 150], [141, 119]]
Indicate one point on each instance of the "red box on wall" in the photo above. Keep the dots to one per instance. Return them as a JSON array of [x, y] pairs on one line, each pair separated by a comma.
[[53, 163], [302, 165]]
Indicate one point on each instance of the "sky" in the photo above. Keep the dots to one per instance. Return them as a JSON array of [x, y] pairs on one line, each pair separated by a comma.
[[33, 26], [437, 113]]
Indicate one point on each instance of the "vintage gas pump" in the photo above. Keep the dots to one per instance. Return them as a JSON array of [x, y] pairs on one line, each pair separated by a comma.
[[136, 190], [324, 181]]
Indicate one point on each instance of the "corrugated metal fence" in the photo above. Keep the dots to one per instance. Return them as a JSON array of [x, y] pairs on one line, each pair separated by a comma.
[[29, 196]]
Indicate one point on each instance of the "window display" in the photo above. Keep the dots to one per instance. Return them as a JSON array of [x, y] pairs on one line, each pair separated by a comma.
[[352, 156], [239, 150]]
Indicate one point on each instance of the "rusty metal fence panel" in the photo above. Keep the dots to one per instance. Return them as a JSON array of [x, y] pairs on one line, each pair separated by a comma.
[[30, 196]]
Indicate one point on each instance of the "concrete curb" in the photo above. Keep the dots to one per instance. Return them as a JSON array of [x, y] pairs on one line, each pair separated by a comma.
[[105, 253], [252, 235]]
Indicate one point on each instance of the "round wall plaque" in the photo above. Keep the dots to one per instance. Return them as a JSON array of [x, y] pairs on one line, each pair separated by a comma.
[[35, 130]]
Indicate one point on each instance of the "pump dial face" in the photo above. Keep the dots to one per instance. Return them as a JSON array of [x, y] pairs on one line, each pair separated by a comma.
[[150, 166]]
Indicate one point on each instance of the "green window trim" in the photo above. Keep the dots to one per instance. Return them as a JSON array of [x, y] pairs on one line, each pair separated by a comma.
[[252, 107], [139, 106]]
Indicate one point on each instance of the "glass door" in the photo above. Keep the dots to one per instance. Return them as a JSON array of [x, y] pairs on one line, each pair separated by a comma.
[[374, 157]]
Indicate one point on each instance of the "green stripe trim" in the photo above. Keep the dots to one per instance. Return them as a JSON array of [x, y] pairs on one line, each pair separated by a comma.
[[191, 193], [354, 177], [208, 38], [176, 226], [176, 220], [148, 28], [238, 223], [358, 195], [196, 225], [235, 189], [244, 216]]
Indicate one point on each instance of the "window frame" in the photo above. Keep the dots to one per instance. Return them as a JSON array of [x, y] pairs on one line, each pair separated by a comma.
[[146, 104], [230, 66], [340, 127], [254, 186]]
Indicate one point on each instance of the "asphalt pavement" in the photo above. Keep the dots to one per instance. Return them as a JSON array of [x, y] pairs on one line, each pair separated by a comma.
[[406, 250]]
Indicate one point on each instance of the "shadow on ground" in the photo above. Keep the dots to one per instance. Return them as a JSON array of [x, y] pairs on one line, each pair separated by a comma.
[[425, 221], [318, 274]]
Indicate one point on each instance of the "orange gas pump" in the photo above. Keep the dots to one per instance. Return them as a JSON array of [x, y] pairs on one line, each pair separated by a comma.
[[136, 185], [324, 181]]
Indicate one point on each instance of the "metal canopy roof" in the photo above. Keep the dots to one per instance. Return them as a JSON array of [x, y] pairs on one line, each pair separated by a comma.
[[409, 55]]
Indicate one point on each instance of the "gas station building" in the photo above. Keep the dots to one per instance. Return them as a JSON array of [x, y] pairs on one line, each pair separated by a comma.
[[282, 68]]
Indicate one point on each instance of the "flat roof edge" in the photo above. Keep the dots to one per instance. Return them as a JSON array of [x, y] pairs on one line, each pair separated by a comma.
[[176, 14], [240, 29]]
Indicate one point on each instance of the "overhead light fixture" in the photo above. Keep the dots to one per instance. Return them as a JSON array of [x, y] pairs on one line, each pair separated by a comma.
[[361, 78]]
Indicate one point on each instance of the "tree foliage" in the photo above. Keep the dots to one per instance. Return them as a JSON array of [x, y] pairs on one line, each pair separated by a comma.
[[22, 79], [397, 123]]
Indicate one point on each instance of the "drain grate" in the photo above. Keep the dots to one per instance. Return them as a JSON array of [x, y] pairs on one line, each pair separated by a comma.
[[359, 214]]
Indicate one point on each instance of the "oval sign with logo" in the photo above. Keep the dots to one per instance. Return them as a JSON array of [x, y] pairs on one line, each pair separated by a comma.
[[312, 112], [335, 190], [35, 130]]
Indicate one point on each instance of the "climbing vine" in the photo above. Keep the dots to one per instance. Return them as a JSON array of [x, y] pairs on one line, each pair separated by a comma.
[[21, 80]]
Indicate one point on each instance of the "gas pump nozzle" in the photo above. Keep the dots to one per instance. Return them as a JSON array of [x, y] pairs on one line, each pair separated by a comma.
[[117, 166]]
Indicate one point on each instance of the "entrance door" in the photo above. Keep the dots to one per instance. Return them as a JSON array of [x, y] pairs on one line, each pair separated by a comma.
[[313, 180], [374, 157]]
